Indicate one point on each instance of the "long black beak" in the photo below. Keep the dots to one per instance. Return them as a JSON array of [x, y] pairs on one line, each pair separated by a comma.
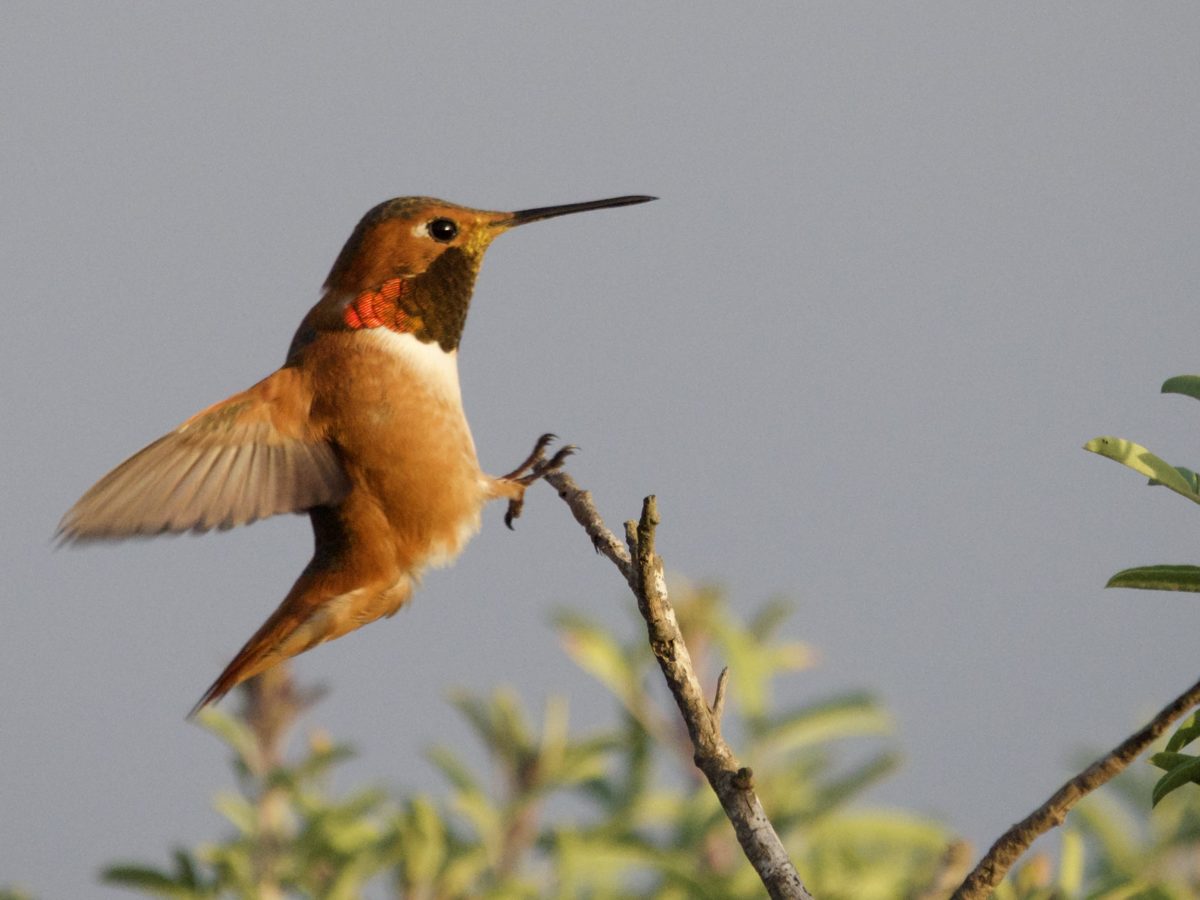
[[549, 212]]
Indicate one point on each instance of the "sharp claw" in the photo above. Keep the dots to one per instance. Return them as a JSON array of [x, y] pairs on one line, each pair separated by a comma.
[[556, 461], [535, 458], [513, 512]]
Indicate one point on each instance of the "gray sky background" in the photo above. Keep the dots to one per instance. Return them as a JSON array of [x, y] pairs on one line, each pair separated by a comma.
[[907, 259]]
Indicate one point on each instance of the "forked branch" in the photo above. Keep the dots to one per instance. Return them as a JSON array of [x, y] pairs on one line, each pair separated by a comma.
[[642, 569]]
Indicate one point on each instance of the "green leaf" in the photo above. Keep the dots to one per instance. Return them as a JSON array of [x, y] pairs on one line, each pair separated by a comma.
[[186, 868], [1185, 734], [512, 733], [1188, 475], [238, 810], [1113, 826], [1181, 769], [462, 872], [349, 837], [586, 760], [1138, 458], [1188, 385], [498, 722], [1071, 863], [485, 817], [1169, 759], [423, 847], [453, 768], [320, 761], [348, 883], [854, 782], [595, 864], [1158, 578], [753, 663], [594, 650], [232, 731], [150, 881], [552, 748], [764, 623], [847, 716]]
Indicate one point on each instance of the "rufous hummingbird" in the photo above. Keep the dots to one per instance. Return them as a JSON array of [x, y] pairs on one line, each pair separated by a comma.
[[362, 428]]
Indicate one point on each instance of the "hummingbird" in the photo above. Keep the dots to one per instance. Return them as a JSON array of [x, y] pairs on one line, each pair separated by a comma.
[[362, 428]]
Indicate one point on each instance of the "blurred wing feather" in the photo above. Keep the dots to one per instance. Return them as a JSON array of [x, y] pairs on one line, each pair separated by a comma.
[[245, 458]]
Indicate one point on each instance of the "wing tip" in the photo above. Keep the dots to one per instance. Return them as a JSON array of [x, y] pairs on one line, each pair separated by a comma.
[[73, 533]]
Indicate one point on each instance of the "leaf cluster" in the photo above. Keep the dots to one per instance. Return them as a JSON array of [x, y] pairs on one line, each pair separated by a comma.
[[1179, 768]]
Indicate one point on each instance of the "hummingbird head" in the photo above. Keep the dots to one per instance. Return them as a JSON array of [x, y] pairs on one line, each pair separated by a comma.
[[430, 251]]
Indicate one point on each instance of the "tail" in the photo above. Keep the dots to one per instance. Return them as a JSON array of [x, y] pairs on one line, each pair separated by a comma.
[[313, 612], [263, 650]]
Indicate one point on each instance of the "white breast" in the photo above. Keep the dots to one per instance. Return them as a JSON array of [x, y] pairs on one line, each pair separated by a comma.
[[428, 361]]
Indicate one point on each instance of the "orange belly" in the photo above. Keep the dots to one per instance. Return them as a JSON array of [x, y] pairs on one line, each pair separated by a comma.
[[394, 410]]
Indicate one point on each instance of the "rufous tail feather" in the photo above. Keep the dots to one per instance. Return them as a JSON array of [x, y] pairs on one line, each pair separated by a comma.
[[258, 654], [315, 611]]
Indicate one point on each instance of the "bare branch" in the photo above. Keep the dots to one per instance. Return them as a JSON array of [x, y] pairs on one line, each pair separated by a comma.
[[733, 784], [1008, 848]]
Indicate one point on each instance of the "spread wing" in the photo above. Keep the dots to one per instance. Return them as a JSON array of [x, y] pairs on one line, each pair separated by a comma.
[[244, 458]]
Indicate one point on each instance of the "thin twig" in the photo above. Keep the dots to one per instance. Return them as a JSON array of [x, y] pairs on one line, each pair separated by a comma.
[[580, 503], [1009, 847], [718, 706], [733, 784]]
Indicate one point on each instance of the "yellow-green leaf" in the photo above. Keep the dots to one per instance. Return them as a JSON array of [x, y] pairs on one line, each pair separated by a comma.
[[1138, 458]]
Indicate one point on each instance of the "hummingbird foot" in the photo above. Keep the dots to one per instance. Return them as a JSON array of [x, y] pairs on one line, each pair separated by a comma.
[[535, 467], [538, 455]]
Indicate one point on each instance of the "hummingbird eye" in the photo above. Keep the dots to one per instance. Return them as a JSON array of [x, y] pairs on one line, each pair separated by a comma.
[[443, 230]]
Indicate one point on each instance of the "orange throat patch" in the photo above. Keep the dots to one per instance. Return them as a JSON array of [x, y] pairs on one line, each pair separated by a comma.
[[380, 309]]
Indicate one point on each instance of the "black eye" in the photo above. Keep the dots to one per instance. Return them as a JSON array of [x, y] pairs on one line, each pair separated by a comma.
[[443, 230]]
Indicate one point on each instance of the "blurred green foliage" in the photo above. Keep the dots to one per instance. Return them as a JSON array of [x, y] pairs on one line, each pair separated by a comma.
[[623, 812], [616, 813]]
